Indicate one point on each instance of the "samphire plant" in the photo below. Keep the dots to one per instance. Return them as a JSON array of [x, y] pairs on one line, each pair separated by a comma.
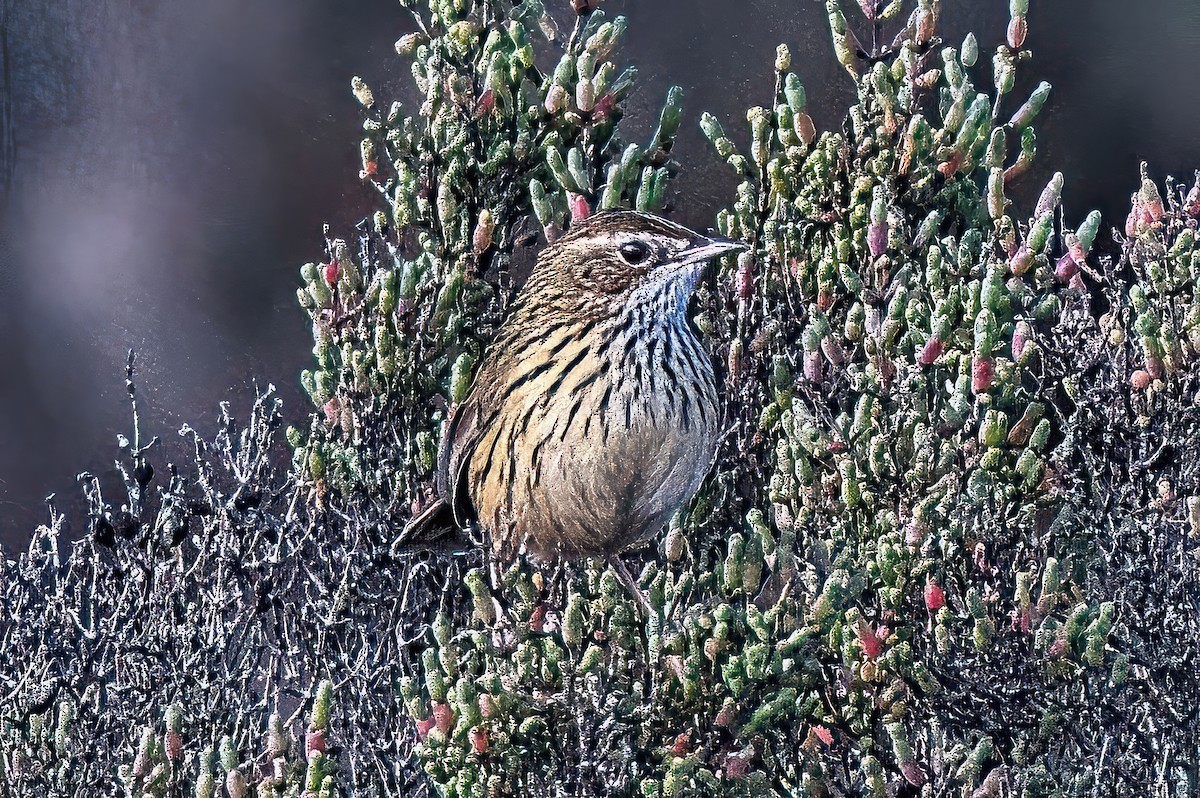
[[895, 555], [949, 547]]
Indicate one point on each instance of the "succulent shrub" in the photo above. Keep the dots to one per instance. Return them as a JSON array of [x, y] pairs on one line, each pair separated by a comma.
[[894, 556], [285, 767], [885, 349], [948, 548]]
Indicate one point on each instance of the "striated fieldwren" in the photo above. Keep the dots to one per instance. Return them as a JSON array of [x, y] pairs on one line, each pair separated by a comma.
[[594, 413]]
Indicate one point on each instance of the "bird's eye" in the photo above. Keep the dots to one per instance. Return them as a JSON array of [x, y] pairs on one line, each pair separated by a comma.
[[634, 252]]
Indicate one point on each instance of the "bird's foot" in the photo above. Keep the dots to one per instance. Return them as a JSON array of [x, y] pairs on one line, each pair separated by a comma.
[[624, 574]]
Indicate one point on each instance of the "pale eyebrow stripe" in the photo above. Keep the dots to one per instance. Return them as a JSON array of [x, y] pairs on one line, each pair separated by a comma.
[[662, 241]]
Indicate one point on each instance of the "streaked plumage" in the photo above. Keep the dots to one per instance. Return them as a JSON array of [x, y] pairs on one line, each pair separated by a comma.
[[594, 414]]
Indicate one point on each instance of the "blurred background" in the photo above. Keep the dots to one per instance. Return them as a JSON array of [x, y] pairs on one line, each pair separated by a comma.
[[166, 165]]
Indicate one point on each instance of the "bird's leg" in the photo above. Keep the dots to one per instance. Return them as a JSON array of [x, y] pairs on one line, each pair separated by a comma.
[[496, 583], [559, 584], [631, 584], [625, 576]]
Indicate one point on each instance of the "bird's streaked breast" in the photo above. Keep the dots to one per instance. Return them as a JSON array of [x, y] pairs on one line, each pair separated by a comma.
[[597, 435]]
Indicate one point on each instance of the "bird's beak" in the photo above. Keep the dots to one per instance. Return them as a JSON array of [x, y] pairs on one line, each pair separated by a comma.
[[704, 249]]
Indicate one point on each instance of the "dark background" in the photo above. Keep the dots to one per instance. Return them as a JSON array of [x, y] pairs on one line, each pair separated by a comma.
[[167, 165]]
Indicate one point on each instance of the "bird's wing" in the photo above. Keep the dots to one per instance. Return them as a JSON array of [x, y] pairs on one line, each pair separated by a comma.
[[462, 436], [438, 525], [432, 523]]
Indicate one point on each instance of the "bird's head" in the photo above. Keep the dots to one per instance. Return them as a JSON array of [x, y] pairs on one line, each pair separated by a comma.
[[619, 259]]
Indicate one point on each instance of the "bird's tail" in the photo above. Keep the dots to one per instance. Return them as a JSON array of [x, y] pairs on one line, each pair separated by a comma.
[[431, 530]]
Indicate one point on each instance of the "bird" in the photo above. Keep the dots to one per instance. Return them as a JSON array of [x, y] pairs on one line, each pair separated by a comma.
[[594, 414]]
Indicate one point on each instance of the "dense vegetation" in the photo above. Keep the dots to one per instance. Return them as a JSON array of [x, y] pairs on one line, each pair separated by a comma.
[[949, 547]]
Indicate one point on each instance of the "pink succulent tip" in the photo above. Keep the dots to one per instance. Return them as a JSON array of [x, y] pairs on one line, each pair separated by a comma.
[[486, 103], [1018, 29], [983, 370], [913, 773], [933, 349], [604, 106], [877, 237], [537, 620], [314, 742], [867, 637], [935, 597], [824, 735], [812, 367], [737, 766], [1066, 268], [580, 209], [443, 717]]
